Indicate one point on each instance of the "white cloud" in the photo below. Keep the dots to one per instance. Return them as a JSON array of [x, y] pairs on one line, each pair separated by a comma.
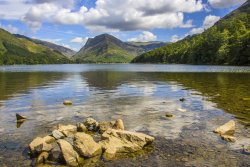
[[197, 30], [225, 3], [79, 40], [175, 38], [10, 28], [119, 15], [208, 22], [145, 36]]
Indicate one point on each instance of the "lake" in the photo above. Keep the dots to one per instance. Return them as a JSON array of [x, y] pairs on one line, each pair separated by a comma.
[[141, 95]]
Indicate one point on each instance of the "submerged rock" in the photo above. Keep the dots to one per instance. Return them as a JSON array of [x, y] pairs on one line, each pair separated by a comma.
[[118, 125], [228, 138], [91, 124], [67, 102], [182, 99], [86, 146], [38, 145], [119, 141], [226, 129], [70, 156], [169, 115], [57, 134]]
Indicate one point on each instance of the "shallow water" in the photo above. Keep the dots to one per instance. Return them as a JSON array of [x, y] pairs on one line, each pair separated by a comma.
[[138, 94]]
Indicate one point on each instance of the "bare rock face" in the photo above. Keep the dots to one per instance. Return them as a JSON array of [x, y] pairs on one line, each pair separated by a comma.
[[86, 146], [39, 145], [119, 141], [67, 130], [226, 129], [91, 124], [119, 125], [103, 126], [71, 157]]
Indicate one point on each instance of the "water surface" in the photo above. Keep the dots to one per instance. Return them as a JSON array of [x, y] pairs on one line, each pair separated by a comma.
[[138, 94]]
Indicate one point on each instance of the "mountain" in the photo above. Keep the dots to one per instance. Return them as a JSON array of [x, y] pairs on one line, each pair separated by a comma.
[[106, 48], [15, 50], [147, 46], [65, 51], [225, 43]]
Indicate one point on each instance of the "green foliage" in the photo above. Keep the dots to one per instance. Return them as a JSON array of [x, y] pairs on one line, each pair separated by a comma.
[[21, 51], [227, 42]]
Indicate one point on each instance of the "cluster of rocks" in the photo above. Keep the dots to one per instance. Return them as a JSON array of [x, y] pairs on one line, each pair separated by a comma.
[[72, 144], [227, 131]]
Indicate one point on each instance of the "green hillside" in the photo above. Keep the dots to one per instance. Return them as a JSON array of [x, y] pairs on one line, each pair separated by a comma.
[[15, 50], [106, 48], [226, 43]]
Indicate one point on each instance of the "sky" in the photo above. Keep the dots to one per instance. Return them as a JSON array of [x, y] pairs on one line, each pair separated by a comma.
[[71, 22]]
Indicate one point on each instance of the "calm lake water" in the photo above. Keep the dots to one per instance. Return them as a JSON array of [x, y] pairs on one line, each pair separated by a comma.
[[141, 95]]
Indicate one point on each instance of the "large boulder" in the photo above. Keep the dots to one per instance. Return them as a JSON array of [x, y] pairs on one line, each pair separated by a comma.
[[86, 146], [103, 126], [226, 129], [38, 145], [91, 124], [118, 125], [120, 141], [70, 156], [67, 130]]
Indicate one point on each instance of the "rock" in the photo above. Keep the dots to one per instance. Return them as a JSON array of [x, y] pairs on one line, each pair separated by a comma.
[[228, 138], [103, 126], [20, 118], [42, 157], [56, 154], [38, 145], [86, 146], [118, 125], [57, 134], [169, 115], [49, 139], [119, 141], [70, 156], [91, 124], [226, 129], [67, 130], [247, 150], [182, 99], [67, 102], [81, 127]]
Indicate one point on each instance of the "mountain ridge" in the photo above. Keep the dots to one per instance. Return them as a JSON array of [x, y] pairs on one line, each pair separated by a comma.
[[15, 50], [64, 50], [106, 48]]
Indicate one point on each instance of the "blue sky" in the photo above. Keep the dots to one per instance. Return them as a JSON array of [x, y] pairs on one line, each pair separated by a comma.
[[71, 22]]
